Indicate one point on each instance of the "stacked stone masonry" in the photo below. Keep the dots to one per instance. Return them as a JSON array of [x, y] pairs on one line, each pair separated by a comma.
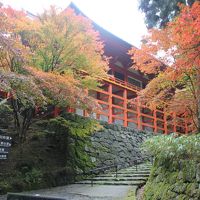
[[118, 144]]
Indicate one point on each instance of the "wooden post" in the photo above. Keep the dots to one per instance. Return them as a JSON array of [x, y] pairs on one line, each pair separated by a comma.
[[56, 111], [138, 114], [155, 121], [174, 122], [110, 104], [125, 108], [85, 113]]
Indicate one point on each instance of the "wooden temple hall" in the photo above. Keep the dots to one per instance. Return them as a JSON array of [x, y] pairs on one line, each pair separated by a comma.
[[123, 85]]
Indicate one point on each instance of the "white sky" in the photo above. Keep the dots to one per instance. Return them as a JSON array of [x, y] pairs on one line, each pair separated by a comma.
[[120, 17]]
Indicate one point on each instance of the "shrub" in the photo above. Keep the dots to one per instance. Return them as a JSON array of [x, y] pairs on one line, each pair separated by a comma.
[[71, 134], [175, 173], [172, 148]]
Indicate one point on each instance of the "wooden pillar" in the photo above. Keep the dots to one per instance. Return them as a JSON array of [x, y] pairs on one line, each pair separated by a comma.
[[70, 110], [155, 121], [125, 108], [56, 111], [138, 114], [85, 113], [174, 122], [110, 121]]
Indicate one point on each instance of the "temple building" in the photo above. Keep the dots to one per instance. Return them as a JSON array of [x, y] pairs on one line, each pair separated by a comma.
[[123, 85]]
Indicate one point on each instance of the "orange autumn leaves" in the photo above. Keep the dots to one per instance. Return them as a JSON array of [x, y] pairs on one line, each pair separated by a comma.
[[55, 46], [172, 54]]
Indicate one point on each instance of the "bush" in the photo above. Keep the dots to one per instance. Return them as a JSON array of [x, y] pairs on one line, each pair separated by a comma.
[[171, 148], [71, 134], [175, 173]]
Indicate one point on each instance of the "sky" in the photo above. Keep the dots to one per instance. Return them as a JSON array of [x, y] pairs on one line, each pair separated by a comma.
[[120, 17]]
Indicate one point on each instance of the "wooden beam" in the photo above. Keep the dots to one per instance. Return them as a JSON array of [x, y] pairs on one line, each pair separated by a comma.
[[110, 118], [139, 125], [165, 123], [155, 121], [125, 108]]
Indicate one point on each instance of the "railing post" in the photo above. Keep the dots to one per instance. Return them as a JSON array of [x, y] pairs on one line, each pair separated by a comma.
[[125, 108], [155, 121], [165, 122], [56, 111], [116, 170], [92, 181], [136, 165], [138, 114], [110, 104], [85, 113]]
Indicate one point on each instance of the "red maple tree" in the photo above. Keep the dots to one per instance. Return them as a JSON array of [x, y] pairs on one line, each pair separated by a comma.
[[173, 55]]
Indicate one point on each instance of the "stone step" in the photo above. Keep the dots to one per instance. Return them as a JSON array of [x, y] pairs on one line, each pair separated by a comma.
[[118, 179], [131, 168], [136, 183], [124, 175], [133, 172], [139, 166]]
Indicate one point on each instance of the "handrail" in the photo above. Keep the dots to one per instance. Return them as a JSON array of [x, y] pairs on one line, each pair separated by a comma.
[[98, 170], [122, 83]]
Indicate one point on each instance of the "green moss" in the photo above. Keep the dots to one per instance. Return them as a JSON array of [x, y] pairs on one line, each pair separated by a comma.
[[54, 152], [175, 171]]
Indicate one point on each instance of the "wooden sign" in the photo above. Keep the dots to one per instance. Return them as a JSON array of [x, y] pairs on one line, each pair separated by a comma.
[[4, 149], [3, 156], [5, 144], [5, 137]]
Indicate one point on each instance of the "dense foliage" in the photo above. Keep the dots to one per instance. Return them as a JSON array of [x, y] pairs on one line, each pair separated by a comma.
[[159, 13], [53, 154], [177, 83], [54, 58], [72, 135], [169, 148], [176, 169]]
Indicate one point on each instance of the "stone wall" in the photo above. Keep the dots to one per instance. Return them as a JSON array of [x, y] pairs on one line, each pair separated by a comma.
[[118, 144], [178, 180]]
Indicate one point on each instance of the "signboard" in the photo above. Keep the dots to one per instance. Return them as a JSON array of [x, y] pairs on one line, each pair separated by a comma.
[[4, 149], [5, 144], [3, 156]]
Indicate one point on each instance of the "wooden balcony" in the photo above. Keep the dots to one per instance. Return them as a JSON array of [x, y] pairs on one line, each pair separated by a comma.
[[122, 84], [118, 109]]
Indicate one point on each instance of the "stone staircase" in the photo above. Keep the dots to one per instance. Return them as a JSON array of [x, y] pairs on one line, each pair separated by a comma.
[[135, 176]]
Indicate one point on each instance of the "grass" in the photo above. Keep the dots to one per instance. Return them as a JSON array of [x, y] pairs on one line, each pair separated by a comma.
[[131, 194]]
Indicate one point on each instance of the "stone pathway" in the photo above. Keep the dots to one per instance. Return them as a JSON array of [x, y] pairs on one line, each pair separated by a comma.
[[106, 186], [134, 176], [83, 192]]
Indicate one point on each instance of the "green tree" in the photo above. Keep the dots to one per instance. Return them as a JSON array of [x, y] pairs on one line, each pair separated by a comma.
[[26, 95], [64, 42], [159, 12]]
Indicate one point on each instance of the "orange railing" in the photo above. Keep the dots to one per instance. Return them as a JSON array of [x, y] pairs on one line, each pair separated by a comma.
[[124, 84], [141, 117], [116, 109]]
